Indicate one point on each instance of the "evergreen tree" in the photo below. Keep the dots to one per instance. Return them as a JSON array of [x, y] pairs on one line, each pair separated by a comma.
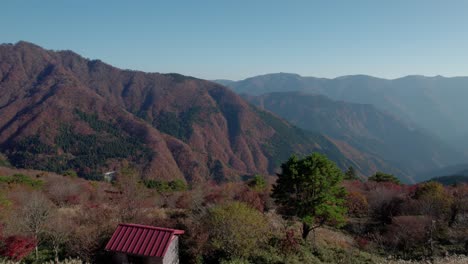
[[310, 189], [384, 177], [350, 174]]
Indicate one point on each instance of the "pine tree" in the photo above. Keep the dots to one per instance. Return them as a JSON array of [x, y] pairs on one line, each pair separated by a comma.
[[310, 190], [350, 174]]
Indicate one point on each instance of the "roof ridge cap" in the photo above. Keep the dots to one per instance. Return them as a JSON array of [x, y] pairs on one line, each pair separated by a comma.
[[174, 231]]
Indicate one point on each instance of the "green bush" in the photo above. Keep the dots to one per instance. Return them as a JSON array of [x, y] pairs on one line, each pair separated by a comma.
[[236, 231], [345, 256], [258, 183], [166, 186], [21, 179]]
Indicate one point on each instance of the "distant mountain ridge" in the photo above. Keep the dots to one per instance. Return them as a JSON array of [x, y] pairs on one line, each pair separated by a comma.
[[363, 127], [433, 103], [60, 111]]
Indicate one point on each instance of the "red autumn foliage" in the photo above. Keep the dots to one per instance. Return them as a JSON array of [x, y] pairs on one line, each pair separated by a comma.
[[290, 243], [251, 198], [357, 204], [17, 247], [184, 201], [408, 231], [362, 242]]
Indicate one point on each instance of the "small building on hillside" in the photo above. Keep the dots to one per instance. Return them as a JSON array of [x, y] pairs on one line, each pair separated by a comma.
[[109, 176], [133, 243]]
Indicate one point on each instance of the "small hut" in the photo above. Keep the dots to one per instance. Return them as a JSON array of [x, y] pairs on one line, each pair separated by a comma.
[[133, 243]]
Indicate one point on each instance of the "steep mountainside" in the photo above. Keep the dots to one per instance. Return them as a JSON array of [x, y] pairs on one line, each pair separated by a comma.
[[458, 169], [434, 103], [453, 179], [362, 126], [59, 111]]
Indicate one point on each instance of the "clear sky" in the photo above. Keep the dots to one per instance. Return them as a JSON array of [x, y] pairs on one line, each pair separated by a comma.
[[238, 39]]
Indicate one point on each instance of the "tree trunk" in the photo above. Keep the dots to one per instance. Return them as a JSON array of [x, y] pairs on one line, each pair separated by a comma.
[[56, 250], [305, 230], [453, 217], [314, 245]]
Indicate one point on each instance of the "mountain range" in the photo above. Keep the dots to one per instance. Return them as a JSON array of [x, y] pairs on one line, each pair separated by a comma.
[[436, 104], [363, 127], [415, 123], [60, 112]]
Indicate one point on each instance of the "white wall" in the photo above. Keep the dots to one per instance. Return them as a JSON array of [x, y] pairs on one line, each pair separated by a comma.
[[172, 254]]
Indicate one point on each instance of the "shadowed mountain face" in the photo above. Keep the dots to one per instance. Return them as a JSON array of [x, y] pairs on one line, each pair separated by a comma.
[[437, 104], [363, 127], [59, 111]]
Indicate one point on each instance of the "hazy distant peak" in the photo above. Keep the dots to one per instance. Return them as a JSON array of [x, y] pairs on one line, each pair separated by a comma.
[[282, 75], [422, 77], [358, 77]]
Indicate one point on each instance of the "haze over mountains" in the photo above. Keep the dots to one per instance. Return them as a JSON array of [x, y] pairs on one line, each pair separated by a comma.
[[437, 104], [422, 119], [363, 127]]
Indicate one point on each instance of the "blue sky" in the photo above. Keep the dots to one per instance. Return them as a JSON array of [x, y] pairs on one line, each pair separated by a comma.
[[239, 39]]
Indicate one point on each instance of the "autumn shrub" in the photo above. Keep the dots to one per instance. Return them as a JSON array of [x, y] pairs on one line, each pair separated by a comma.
[[386, 201], [433, 200], [290, 243], [459, 208], [357, 204], [236, 230], [17, 247], [64, 191], [252, 198], [195, 239], [184, 201], [93, 225], [362, 242], [408, 236]]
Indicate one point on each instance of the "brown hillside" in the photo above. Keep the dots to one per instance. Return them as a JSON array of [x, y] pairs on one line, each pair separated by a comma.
[[59, 111]]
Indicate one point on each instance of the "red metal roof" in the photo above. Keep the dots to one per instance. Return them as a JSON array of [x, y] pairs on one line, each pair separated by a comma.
[[142, 240]]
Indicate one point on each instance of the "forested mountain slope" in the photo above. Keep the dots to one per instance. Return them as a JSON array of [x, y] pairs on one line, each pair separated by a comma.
[[60, 111]]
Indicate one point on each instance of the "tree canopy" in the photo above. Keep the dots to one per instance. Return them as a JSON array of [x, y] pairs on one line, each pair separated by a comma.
[[350, 174], [310, 190], [236, 229], [384, 177]]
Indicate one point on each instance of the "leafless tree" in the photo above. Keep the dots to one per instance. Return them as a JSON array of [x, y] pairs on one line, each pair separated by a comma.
[[58, 232], [32, 216]]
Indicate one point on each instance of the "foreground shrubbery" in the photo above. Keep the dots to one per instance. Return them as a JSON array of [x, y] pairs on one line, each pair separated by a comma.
[[67, 217]]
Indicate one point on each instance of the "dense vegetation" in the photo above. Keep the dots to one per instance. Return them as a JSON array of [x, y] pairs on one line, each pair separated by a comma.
[[177, 125], [84, 153], [241, 222]]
